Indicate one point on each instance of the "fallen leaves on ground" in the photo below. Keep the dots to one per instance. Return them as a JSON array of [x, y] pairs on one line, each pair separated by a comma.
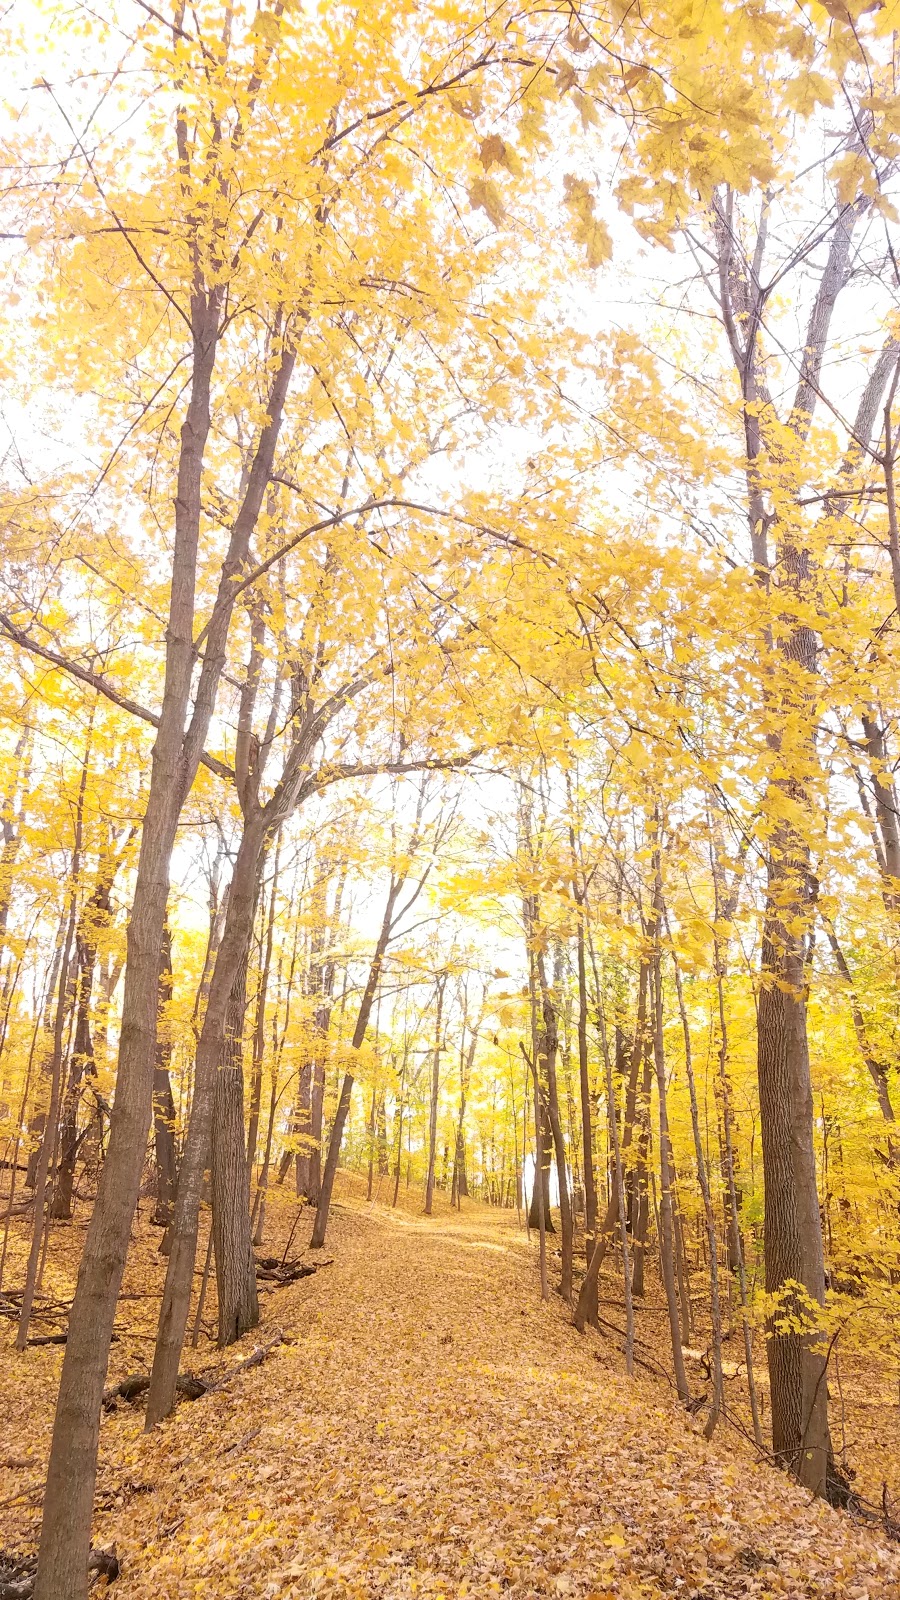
[[430, 1429]]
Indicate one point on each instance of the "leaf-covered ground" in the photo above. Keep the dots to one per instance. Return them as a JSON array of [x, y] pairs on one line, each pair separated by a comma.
[[429, 1429]]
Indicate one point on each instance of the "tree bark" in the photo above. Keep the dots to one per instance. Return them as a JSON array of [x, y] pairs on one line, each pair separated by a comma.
[[549, 1046], [94, 916], [666, 1220], [164, 1103], [235, 1262], [587, 1292], [259, 1029], [793, 1234], [435, 1087], [587, 1131], [62, 1572], [232, 953], [320, 1226]]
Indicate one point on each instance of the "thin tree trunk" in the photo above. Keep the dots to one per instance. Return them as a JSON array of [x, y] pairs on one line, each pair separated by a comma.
[[712, 1241], [433, 1103], [549, 1040], [400, 1122], [618, 1194], [259, 1029], [164, 1104], [587, 1132], [370, 1130], [94, 917], [666, 1224], [49, 1139], [639, 1199], [538, 1168], [259, 1205], [589, 1281], [38, 1121], [320, 1227], [235, 1263]]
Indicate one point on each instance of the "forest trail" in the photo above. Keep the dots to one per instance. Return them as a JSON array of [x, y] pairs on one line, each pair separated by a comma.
[[429, 1429]]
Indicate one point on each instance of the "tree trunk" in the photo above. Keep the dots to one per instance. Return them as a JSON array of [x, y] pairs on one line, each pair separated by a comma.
[[49, 1139], [639, 1196], [164, 1104], [712, 1240], [587, 1132], [320, 1226], [435, 1086], [382, 1136], [301, 1129], [93, 917], [38, 1121], [231, 955], [543, 1211], [587, 1292], [549, 1045], [370, 1131], [539, 1204], [62, 1572], [259, 1029], [793, 1234], [235, 1262], [259, 1205], [666, 1219]]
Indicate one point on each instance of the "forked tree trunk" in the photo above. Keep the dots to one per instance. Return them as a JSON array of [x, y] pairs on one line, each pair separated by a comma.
[[792, 1229], [231, 955], [62, 1572], [393, 915], [320, 1226], [587, 1293]]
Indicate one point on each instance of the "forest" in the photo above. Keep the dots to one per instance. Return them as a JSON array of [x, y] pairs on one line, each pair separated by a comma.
[[449, 832]]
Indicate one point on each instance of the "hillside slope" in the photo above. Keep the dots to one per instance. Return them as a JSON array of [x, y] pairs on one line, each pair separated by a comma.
[[429, 1429]]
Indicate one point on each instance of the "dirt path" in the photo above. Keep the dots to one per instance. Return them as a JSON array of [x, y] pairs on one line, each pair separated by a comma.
[[431, 1430]]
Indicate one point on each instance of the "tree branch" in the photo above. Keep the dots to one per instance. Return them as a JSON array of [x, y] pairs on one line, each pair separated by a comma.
[[96, 681]]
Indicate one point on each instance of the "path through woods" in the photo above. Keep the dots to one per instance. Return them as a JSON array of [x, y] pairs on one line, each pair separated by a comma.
[[432, 1430]]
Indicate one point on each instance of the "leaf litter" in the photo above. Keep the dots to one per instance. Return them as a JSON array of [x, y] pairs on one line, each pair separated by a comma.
[[427, 1428]]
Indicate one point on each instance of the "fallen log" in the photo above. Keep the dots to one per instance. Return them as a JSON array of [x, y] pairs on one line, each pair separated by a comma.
[[17, 1573], [189, 1385], [61, 1338], [284, 1272]]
